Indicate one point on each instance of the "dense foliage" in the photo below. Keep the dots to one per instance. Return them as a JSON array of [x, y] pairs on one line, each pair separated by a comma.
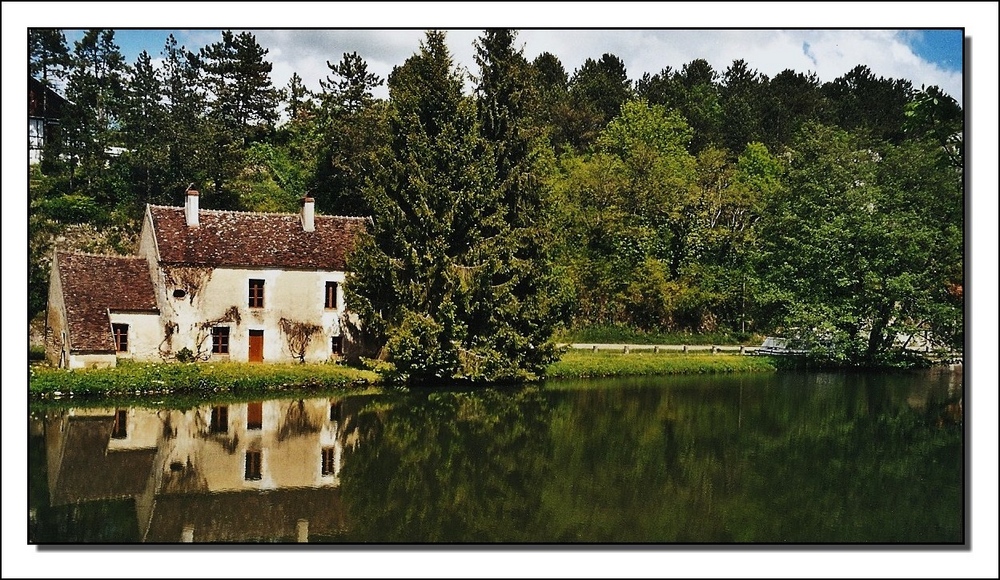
[[689, 201]]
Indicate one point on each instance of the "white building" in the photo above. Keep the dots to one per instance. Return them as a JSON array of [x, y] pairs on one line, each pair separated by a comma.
[[207, 285]]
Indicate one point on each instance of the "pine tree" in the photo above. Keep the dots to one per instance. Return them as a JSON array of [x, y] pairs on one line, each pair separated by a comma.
[[298, 99], [239, 81], [352, 128], [454, 277], [513, 312], [411, 274], [242, 103], [48, 55], [143, 125], [95, 92], [48, 61], [185, 138]]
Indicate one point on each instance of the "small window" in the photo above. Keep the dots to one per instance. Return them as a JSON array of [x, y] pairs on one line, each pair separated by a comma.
[[329, 460], [220, 340], [119, 431], [180, 293], [36, 133], [252, 471], [331, 295], [337, 345], [220, 419], [256, 298], [255, 416], [336, 411], [121, 337]]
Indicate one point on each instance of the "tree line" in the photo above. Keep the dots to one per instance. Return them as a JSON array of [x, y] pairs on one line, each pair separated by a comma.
[[689, 200]]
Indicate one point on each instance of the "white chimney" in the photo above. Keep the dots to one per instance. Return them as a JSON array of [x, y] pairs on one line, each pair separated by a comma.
[[308, 214], [191, 208]]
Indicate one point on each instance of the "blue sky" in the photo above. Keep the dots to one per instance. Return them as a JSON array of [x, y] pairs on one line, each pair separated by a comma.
[[941, 47], [925, 57]]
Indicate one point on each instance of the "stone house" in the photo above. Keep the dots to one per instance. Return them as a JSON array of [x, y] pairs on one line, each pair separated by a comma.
[[207, 285]]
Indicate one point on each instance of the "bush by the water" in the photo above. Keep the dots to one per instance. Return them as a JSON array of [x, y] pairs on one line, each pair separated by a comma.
[[617, 334]]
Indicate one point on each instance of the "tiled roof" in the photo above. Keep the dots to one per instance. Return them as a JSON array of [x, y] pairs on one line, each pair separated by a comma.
[[88, 472], [94, 284], [247, 516], [254, 240]]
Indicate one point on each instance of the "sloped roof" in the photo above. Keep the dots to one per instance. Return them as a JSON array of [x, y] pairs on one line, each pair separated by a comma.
[[43, 101], [93, 284], [88, 471], [247, 516], [253, 240]]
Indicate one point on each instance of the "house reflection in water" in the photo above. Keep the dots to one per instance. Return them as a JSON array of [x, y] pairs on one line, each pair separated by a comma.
[[263, 471]]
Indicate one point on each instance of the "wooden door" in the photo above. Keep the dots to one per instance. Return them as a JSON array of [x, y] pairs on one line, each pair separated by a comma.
[[256, 346], [255, 415]]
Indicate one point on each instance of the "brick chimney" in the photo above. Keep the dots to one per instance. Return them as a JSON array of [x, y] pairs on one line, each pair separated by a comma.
[[308, 214], [191, 207]]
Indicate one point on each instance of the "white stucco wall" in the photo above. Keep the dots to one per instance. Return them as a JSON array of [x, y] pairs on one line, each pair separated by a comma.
[[144, 334], [92, 360], [297, 295], [143, 427], [290, 461]]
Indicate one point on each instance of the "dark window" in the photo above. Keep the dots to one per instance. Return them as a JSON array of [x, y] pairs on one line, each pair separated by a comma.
[[121, 337], [255, 415], [179, 293], [331, 295], [119, 430], [336, 411], [337, 345], [220, 340], [328, 460], [256, 294], [220, 419], [252, 466]]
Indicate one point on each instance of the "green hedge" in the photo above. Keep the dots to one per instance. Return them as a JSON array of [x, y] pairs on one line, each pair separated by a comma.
[[624, 334]]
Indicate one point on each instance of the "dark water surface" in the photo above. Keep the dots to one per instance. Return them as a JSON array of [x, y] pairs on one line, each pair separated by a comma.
[[783, 458]]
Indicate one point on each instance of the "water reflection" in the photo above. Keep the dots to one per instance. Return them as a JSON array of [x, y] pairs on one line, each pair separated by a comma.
[[740, 459], [257, 471]]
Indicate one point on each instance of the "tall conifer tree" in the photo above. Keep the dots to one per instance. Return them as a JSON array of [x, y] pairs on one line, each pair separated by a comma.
[[513, 312], [442, 277]]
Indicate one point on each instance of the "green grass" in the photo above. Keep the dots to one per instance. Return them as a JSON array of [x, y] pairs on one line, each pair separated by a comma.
[[144, 379], [588, 364], [178, 382], [623, 335]]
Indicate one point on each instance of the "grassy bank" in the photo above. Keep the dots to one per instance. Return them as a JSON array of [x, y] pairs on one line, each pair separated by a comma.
[[130, 379], [587, 364], [626, 335], [138, 381]]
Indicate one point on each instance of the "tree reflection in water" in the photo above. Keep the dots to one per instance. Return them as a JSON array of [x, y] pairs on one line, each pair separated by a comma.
[[786, 458]]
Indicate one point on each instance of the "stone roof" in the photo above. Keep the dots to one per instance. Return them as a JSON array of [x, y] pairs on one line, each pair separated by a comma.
[[94, 284], [253, 240]]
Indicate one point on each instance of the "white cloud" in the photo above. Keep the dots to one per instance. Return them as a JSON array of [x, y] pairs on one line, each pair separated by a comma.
[[831, 53]]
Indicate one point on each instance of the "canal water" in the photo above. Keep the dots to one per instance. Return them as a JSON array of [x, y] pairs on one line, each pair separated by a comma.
[[788, 458]]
